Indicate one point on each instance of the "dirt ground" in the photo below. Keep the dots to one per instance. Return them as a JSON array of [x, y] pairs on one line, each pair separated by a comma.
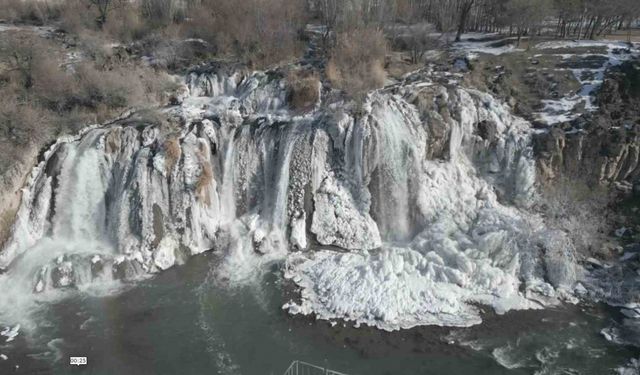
[[632, 35], [525, 79]]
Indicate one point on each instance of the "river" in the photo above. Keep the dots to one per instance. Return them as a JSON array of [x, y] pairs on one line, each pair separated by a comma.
[[187, 321]]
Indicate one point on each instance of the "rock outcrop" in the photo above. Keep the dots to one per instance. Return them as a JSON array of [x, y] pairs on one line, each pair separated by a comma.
[[602, 147]]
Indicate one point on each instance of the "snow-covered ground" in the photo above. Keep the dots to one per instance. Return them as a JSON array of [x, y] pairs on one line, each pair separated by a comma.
[[567, 108], [564, 109], [40, 30], [471, 44]]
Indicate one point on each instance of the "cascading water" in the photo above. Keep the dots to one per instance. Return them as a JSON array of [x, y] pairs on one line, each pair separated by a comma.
[[409, 213]]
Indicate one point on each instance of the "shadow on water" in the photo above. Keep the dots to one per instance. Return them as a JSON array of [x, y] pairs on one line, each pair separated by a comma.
[[185, 321]]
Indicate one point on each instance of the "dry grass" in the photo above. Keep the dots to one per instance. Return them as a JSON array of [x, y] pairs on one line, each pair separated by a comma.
[[630, 35], [173, 153], [42, 97], [257, 32], [33, 69], [6, 222], [75, 21], [34, 12], [303, 89], [22, 123], [205, 180], [163, 12], [126, 25], [357, 62], [113, 141]]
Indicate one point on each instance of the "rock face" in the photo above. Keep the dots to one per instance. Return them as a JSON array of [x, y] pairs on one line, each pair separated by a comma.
[[604, 148], [11, 181], [426, 189]]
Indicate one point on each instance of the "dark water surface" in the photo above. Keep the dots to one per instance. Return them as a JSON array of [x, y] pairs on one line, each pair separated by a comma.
[[183, 321]]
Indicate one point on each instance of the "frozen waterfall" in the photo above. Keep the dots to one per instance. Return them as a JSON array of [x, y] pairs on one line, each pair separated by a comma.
[[411, 212]]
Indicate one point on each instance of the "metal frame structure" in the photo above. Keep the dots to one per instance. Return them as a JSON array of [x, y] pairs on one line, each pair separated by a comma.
[[304, 368]]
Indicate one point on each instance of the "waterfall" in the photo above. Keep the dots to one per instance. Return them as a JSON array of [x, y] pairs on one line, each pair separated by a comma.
[[80, 207], [228, 198], [394, 222]]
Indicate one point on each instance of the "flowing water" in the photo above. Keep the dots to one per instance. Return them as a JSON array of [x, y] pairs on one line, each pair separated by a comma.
[[186, 321]]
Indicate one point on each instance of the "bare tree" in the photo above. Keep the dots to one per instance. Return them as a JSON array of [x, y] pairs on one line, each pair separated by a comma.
[[162, 11], [104, 7], [419, 39], [258, 32], [20, 55], [526, 15], [357, 61], [591, 18], [464, 8]]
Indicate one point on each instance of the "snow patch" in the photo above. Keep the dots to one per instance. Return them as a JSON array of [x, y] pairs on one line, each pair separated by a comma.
[[11, 332]]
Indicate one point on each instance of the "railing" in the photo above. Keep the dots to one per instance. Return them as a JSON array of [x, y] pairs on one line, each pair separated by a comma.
[[304, 368]]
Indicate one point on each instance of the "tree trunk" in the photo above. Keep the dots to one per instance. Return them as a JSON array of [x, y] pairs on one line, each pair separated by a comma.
[[586, 31], [580, 25], [596, 25], [101, 20], [464, 13]]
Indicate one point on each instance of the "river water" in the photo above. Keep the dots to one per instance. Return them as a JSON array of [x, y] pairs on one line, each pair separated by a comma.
[[187, 321]]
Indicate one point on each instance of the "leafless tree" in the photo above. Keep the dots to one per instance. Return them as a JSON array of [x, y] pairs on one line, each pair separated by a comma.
[[104, 7], [258, 32], [526, 16], [162, 11], [464, 9], [420, 39]]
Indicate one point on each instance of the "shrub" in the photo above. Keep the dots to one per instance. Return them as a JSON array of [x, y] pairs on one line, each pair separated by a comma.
[[97, 87], [569, 206], [20, 122], [33, 12], [163, 12], [303, 89], [126, 24], [40, 99], [77, 17], [19, 53], [6, 222], [52, 86], [258, 32], [121, 86], [357, 61]]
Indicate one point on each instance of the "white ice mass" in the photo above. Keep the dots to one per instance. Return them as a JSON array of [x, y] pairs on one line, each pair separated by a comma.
[[413, 211]]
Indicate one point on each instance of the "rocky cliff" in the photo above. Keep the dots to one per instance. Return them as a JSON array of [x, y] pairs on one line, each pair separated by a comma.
[[603, 147]]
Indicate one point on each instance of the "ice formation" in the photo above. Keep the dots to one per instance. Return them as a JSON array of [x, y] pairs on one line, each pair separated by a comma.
[[414, 211], [10, 332], [464, 245], [489, 43]]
